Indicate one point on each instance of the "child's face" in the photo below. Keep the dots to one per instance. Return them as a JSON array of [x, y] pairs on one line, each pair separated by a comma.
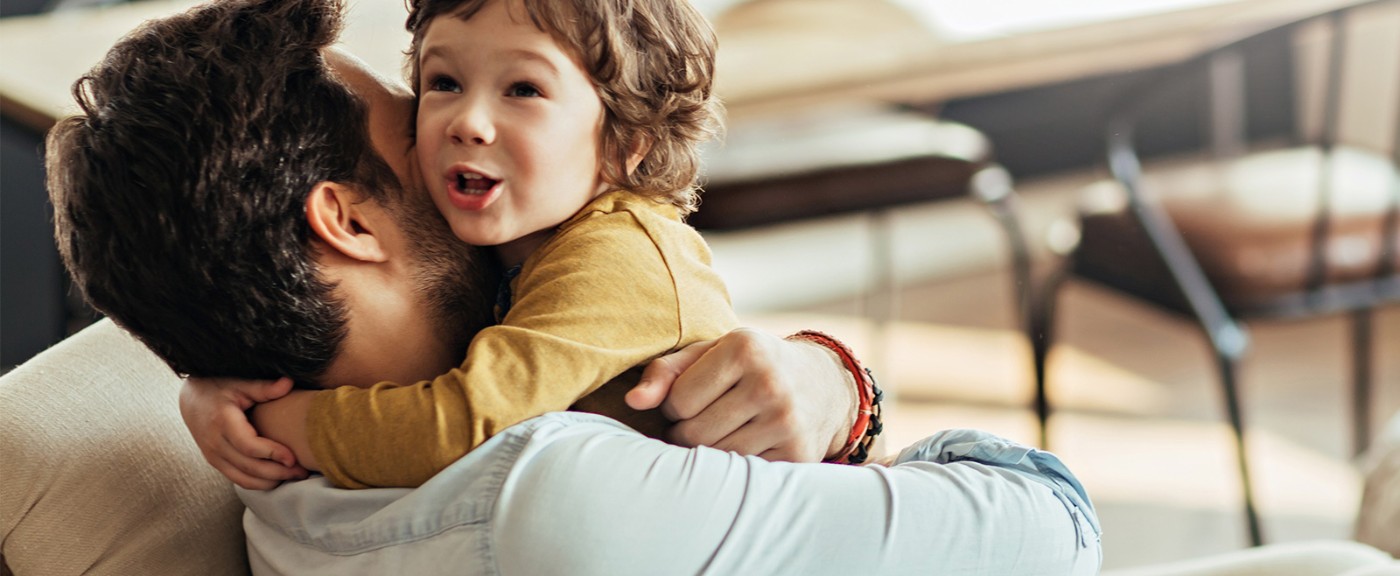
[[508, 129]]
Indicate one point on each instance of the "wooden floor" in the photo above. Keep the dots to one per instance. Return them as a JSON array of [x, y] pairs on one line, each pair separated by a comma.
[[1140, 417]]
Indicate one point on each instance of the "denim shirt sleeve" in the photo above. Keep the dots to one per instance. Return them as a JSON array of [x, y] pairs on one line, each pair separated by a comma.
[[962, 445], [581, 494], [960, 502]]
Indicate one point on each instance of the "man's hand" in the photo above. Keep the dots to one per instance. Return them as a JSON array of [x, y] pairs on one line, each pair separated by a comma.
[[753, 393], [215, 411]]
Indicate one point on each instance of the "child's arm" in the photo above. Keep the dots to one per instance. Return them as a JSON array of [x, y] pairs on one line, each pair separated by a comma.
[[592, 303], [214, 410], [815, 399], [284, 420]]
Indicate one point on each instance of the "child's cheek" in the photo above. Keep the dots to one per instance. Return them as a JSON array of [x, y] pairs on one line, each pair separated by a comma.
[[424, 150]]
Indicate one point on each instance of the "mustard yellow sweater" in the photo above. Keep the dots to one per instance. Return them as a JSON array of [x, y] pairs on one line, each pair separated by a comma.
[[620, 283]]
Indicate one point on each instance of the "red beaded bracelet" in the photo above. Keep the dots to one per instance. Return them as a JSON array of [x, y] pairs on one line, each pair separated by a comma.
[[868, 424]]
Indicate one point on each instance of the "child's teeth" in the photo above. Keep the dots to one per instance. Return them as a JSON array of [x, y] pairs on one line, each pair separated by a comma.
[[474, 184]]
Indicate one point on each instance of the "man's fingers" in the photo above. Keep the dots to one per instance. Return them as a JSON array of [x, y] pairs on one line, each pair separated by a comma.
[[715, 421], [654, 385], [660, 376], [776, 455], [755, 438], [712, 376]]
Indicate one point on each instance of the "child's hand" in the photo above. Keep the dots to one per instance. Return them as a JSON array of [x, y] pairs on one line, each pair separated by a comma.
[[751, 393], [214, 410]]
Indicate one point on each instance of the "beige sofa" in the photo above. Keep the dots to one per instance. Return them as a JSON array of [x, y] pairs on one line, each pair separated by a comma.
[[97, 472], [98, 476]]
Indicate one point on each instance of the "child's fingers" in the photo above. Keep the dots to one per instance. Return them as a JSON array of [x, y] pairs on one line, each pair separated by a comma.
[[265, 390], [247, 443], [263, 469], [236, 473], [267, 470], [243, 480]]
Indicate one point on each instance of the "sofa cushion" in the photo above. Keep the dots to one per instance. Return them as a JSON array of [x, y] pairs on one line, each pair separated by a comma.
[[99, 475]]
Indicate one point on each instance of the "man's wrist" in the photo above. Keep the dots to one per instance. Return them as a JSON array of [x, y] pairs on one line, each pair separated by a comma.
[[868, 423], [826, 366]]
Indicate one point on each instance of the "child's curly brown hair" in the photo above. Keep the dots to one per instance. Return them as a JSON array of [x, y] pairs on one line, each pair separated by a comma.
[[652, 63]]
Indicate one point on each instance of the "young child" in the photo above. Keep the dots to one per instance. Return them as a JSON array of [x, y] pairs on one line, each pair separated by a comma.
[[563, 135]]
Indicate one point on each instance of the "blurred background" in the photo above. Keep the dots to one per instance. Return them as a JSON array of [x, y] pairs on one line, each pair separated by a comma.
[[923, 178]]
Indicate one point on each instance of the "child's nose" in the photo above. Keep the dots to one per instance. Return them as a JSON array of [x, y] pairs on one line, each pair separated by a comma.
[[472, 126]]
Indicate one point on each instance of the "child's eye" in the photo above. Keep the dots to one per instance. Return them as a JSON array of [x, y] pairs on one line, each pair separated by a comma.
[[522, 90], [443, 84]]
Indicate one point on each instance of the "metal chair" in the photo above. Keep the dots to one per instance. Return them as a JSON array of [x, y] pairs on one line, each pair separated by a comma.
[[1306, 229], [846, 158]]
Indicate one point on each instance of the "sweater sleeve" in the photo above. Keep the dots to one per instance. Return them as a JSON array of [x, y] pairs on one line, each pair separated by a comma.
[[594, 301]]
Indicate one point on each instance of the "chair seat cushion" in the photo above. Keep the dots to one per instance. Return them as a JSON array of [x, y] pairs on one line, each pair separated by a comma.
[[1249, 221], [831, 160]]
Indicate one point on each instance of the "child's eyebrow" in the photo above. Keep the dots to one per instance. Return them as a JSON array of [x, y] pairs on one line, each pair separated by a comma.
[[531, 55], [515, 54], [432, 51]]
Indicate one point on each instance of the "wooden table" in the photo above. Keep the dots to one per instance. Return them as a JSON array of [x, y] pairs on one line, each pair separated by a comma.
[[775, 55], [765, 67]]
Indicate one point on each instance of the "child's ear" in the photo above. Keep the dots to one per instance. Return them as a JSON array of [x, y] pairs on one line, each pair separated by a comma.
[[640, 148], [342, 219]]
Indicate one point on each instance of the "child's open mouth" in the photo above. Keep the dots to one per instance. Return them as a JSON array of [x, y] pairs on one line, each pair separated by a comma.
[[470, 190], [473, 184]]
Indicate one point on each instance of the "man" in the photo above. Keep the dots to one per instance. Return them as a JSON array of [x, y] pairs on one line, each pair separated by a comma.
[[242, 199]]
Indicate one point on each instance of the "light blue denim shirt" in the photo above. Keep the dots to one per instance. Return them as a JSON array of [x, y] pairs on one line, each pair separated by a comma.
[[573, 493]]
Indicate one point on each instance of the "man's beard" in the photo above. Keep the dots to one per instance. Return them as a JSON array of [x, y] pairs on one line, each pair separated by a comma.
[[457, 281]]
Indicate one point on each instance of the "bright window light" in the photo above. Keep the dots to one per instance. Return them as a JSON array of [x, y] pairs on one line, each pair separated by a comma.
[[959, 20]]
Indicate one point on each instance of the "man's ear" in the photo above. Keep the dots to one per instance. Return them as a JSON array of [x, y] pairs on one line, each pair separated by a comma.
[[344, 219]]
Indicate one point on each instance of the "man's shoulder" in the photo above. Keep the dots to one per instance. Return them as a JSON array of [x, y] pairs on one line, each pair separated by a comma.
[[471, 483], [450, 520], [555, 426]]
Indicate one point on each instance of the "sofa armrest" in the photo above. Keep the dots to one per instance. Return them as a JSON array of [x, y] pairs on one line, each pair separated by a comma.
[[100, 475]]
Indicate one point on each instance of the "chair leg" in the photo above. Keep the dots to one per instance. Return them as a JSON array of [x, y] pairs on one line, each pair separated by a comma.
[[880, 302], [1361, 379], [1041, 331], [1229, 385], [992, 186]]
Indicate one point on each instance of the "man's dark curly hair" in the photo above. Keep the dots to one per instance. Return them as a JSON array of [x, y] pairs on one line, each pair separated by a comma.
[[179, 192]]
